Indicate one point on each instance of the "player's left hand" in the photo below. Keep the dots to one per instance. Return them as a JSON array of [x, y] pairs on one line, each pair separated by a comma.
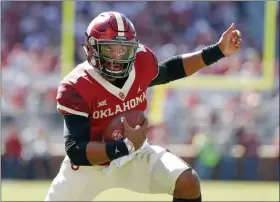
[[230, 41]]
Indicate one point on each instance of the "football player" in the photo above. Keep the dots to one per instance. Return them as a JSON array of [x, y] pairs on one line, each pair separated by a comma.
[[114, 79]]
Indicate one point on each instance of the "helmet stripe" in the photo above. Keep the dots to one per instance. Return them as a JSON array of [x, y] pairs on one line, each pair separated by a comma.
[[91, 26], [120, 24]]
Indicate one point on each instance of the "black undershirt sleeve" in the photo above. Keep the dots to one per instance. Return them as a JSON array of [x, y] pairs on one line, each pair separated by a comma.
[[169, 70], [77, 136]]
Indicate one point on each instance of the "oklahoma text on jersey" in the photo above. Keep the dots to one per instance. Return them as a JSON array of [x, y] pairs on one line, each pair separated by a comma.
[[130, 104]]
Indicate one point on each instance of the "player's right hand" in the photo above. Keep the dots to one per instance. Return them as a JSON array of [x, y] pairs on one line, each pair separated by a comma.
[[136, 136]]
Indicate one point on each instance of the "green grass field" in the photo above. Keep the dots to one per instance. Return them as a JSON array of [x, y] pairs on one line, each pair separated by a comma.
[[212, 191]]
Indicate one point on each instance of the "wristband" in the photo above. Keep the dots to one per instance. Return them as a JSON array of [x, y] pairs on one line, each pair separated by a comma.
[[116, 149], [211, 54]]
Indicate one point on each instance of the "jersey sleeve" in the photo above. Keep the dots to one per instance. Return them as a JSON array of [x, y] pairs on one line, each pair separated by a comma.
[[69, 101], [151, 61]]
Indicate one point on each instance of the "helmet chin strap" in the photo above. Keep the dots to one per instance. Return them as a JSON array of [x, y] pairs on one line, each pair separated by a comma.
[[110, 79]]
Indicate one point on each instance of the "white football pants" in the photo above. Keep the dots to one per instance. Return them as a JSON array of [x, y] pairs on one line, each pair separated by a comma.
[[153, 170]]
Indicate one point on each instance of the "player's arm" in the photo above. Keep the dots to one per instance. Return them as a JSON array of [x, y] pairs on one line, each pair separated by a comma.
[[178, 67], [78, 146], [81, 150]]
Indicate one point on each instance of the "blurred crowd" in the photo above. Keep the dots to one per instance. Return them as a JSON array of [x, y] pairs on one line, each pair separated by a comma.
[[170, 28], [30, 51]]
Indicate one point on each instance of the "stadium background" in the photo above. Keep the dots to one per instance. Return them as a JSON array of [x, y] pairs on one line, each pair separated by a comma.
[[224, 120]]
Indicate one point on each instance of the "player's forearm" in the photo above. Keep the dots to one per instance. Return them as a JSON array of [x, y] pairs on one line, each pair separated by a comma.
[[82, 151], [195, 61], [96, 153]]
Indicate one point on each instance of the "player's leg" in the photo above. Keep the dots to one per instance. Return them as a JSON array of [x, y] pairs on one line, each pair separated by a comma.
[[157, 171], [184, 181], [136, 174], [74, 183], [171, 175]]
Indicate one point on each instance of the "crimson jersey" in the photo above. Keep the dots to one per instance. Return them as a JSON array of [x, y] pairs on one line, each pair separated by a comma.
[[86, 93]]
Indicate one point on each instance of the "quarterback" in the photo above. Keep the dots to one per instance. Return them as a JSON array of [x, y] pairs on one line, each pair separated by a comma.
[[114, 79]]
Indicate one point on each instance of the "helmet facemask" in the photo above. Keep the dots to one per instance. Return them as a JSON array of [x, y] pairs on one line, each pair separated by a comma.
[[112, 58]]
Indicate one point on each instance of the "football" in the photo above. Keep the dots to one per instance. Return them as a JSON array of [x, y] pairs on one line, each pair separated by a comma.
[[114, 130]]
